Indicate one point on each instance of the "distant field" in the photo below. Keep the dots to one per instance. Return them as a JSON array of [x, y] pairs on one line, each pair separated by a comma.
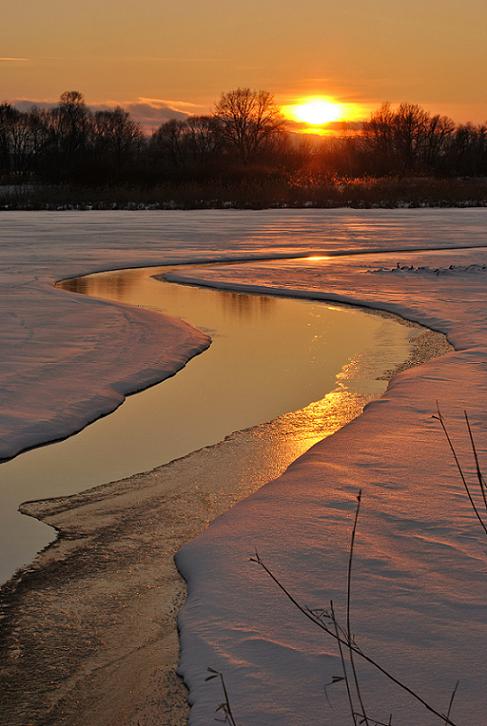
[[260, 193]]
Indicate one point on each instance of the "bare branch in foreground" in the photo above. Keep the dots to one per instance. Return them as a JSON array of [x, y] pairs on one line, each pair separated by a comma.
[[344, 642], [478, 470], [364, 720], [439, 417], [452, 699], [224, 707], [344, 666]]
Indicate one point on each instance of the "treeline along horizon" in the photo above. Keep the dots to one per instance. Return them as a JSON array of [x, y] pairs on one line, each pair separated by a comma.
[[245, 137]]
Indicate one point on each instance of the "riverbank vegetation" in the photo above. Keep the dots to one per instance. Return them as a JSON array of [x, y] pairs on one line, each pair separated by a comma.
[[244, 154]]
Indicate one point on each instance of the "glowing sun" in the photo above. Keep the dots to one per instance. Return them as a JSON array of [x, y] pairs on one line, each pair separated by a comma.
[[318, 111], [315, 111]]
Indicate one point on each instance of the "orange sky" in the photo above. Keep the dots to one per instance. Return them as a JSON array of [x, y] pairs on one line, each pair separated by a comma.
[[184, 54]]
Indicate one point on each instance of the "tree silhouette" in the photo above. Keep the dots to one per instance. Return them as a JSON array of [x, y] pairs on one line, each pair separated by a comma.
[[250, 121]]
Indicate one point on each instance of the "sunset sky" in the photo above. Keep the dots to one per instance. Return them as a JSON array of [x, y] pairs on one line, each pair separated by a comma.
[[154, 54]]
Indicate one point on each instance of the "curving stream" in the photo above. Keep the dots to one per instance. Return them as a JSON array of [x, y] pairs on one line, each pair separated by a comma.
[[269, 360]]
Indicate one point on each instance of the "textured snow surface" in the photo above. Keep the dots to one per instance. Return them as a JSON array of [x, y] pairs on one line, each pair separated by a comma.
[[66, 359], [420, 586], [420, 581]]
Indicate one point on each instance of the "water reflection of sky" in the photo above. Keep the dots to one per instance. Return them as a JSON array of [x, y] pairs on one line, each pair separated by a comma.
[[120, 286], [306, 365]]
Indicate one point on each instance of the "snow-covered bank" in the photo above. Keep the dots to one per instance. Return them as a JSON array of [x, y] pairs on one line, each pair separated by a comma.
[[420, 584], [117, 541], [276, 668], [66, 360]]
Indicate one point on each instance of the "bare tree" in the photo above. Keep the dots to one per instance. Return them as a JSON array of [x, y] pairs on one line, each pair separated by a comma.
[[250, 121], [70, 121], [439, 132], [407, 139], [204, 136], [116, 136], [378, 137], [169, 140], [410, 132], [22, 138]]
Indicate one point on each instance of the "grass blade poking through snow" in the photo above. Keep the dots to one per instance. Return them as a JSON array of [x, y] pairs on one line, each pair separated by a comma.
[[439, 417], [344, 665], [318, 618], [450, 707], [480, 476], [349, 595], [224, 707]]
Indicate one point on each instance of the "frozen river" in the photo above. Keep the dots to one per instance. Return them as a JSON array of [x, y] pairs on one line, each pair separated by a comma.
[[268, 356]]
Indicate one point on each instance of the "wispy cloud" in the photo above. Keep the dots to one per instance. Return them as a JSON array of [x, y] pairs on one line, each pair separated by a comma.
[[149, 112], [176, 59], [171, 103], [151, 115], [11, 59], [25, 104]]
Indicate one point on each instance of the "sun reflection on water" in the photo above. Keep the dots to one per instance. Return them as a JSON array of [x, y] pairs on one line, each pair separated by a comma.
[[294, 433]]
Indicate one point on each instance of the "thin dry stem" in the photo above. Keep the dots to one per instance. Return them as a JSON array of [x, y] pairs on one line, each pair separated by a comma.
[[308, 614], [225, 707], [478, 470], [344, 666], [440, 418], [349, 596], [452, 699]]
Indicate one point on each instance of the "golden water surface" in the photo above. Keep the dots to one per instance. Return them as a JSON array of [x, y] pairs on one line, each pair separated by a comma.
[[307, 366]]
